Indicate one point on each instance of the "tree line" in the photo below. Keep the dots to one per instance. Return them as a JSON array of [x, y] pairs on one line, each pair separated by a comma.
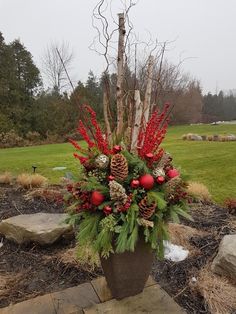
[[30, 112]]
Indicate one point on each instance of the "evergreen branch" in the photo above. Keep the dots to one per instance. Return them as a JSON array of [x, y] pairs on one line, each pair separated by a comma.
[[158, 198]]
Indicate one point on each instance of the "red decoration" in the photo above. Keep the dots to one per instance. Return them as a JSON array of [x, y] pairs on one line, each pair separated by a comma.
[[126, 206], [116, 149], [107, 210], [111, 178], [149, 155], [160, 179], [135, 184], [150, 138], [82, 159], [97, 198], [146, 181], [172, 173]]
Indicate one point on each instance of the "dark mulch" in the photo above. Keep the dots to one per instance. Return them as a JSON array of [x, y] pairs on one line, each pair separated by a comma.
[[37, 270], [12, 203], [175, 278]]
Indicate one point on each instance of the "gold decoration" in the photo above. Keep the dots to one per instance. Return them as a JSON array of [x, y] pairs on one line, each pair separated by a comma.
[[146, 223], [117, 193], [102, 161], [158, 172]]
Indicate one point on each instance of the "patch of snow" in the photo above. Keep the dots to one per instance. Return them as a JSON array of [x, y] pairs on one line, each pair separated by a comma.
[[59, 168], [1, 243], [174, 253]]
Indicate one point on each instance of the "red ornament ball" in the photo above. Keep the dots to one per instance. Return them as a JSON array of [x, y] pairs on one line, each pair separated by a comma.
[[149, 155], [135, 184], [116, 149], [97, 198], [111, 178], [146, 181], [160, 179], [172, 173], [107, 210]]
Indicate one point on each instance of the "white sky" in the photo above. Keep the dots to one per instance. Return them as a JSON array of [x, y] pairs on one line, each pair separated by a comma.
[[204, 31]]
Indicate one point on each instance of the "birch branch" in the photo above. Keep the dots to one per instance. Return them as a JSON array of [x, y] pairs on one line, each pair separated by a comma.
[[137, 120], [120, 76], [148, 92]]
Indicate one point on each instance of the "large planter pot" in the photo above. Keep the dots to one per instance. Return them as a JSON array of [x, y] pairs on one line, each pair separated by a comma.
[[126, 273]]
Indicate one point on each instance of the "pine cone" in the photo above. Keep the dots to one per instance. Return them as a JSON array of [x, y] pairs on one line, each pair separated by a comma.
[[117, 192], [146, 209], [119, 167]]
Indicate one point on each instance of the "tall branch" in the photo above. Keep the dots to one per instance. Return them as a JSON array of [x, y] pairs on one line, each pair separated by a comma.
[[120, 76], [148, 92]]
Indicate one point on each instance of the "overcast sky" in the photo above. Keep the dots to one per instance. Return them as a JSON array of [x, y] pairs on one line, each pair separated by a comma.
[[203, 30]]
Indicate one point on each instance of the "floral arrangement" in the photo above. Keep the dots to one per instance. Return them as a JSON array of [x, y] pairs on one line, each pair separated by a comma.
[[121, 195]]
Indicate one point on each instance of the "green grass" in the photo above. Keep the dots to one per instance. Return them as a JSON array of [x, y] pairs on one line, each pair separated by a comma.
[[212, 163]]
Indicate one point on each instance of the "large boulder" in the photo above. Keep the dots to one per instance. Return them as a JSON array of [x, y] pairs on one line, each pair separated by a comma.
[[42, 228], [225, 261], [195, 137]]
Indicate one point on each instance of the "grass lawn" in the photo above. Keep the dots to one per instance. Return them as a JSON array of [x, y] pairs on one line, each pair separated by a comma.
[[212, 163]]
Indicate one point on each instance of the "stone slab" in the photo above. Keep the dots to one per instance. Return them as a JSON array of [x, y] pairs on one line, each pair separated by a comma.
[[39, 305], [153, 300], [225, 261], [43, 228], [68, 301], [101, 288], [74, 299]]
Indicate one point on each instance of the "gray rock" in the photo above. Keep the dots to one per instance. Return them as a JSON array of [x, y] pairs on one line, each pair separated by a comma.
[[225, 261], [195, 137], [231, 137], [42, 228]]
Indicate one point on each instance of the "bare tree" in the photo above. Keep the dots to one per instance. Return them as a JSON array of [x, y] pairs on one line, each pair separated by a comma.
[[56, 62]]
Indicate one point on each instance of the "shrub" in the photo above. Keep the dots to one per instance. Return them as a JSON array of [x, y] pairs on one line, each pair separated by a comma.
[[10, 139], [28, 181], [37, 180], [199, 191], [33, 137], [6, 178]]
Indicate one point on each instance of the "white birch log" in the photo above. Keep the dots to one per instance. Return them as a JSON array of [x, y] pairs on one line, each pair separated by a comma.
[[148, 92], [137, 120], [120, 76]]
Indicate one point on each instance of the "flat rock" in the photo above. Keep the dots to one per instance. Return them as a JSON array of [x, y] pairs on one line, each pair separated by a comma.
[[42, 228], [225, 261], [153, 300]]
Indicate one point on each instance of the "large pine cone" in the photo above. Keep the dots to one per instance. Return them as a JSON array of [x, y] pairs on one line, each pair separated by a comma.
[[146, 209], [119, 167]]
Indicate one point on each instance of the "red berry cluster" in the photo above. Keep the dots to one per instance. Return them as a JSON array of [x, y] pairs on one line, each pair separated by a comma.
[[82, 196], [126, 206], [150, 138], [178, 195]]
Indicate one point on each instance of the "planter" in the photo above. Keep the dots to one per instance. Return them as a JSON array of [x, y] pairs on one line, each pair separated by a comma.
[[126, 273]]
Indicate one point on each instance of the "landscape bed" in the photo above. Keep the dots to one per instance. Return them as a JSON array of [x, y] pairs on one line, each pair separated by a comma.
[[31, 270]]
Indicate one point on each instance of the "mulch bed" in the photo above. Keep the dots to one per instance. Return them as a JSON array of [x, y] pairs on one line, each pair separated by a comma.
[[175, 278], [35, 270], [38, 270]]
